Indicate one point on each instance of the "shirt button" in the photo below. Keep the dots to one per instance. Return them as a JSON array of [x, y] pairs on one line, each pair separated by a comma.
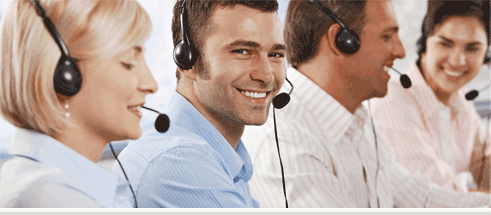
[[236, 179]]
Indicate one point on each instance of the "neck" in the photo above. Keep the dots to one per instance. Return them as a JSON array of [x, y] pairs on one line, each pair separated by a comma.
[[231, 130], [331, 79], [86, 142]]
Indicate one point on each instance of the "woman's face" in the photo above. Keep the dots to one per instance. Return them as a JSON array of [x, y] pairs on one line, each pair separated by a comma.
[[112, 94], [454, 54]]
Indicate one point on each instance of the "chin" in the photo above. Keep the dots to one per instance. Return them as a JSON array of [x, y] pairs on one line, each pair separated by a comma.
[[134, 134], [255, 120], [380, 93]]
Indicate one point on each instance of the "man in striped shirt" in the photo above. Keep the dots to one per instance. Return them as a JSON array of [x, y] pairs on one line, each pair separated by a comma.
[[240, 66], [332, 156]]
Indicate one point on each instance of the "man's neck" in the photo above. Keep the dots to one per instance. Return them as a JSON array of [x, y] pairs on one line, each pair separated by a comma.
[[232, 131], [333, 83]]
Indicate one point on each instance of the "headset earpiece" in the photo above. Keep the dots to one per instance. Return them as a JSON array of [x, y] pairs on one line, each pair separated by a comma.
[[347, 41], [185, 54], [67, 78]]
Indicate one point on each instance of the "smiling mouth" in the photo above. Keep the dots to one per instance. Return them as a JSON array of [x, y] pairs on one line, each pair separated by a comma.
[[453, 73], [136, 110], [254, 94]]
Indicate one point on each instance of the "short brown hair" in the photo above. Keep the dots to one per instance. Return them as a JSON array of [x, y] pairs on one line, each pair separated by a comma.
[[305, 25], [198, 19]]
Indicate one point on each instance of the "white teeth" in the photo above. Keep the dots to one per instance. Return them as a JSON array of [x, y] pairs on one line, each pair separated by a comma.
[[386, 68], [453, 73], [137, 108], [255, 95]]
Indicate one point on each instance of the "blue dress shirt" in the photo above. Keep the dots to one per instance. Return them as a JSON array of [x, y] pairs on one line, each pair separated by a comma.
[[191, 165], [46, 173]]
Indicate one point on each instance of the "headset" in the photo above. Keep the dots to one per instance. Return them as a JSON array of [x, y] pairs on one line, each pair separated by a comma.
[[471, 95], [348, 42], [185, 54], [68, 79], [279, 102]]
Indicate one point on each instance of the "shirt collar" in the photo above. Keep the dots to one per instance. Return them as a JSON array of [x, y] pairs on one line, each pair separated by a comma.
[[334, 118], [427, 97], [182, 113], [99, 183]]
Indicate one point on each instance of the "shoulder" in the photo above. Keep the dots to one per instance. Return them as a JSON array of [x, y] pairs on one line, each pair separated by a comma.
[[400, 105], [153, 144], [295, 134], [26, 183]]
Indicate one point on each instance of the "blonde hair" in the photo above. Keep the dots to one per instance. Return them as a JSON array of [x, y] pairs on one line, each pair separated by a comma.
[[91, 29]]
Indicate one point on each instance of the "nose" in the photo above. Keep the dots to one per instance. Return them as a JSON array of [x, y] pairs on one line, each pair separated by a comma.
[[147, 82], [263, 72], [398, 50], [457, 58]]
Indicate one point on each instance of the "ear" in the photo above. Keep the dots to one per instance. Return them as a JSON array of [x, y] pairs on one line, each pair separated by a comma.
[[189, 74], [331, 39]]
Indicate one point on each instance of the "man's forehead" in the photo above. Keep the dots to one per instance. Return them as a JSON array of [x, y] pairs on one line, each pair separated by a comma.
[[380, 15], [245, 23]]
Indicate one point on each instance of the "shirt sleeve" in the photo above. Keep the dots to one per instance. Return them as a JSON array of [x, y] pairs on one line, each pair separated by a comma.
[[190, 178], [310, 177], [481, 153], [401, 124]]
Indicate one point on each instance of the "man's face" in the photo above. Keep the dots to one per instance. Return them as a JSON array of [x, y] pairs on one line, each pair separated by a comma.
[[244, 62], [380, 46]]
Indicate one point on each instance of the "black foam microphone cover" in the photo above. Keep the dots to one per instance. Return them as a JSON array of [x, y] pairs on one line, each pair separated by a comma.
[[281, 100], [162, 123], [405, 81], [471, 95]]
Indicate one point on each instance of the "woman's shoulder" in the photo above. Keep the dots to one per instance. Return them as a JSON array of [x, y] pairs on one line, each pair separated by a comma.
[[27, 183]]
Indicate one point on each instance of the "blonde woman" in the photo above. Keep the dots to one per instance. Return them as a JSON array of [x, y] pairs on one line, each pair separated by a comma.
[[72, 78]]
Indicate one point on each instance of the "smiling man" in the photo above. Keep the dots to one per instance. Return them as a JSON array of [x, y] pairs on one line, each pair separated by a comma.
[[201, 161], [332, 156]]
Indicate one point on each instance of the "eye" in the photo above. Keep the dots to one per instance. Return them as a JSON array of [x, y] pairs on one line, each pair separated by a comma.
[[277, 55], [387, 37], [445, 44], [242, 51], [472, 49], [127, 66]]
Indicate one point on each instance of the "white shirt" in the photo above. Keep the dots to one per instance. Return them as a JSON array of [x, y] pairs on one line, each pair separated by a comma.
[[324, 150], [46, 173], [441, 142]]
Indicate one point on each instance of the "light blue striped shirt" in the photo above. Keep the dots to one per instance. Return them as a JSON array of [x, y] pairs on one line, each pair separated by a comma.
[[191, 165], [47, 173]]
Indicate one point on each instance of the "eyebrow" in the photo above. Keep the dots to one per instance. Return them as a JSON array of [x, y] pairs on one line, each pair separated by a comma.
[[246, 43], [446, 39], [476, 43], [279, 47], [253, 44], [393, 29]]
